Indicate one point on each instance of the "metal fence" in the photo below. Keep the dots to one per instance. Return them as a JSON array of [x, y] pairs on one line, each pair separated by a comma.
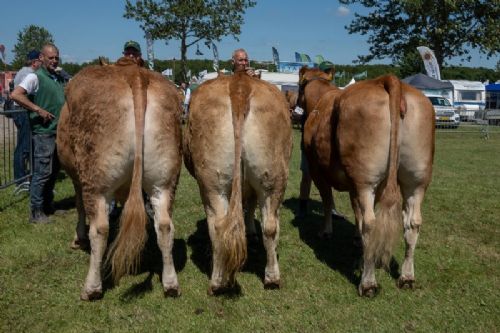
[[9, 139]]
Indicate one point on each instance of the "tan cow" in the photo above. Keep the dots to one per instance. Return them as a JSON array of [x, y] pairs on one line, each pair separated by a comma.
[[375, 139], [119, 133], [237, 145]]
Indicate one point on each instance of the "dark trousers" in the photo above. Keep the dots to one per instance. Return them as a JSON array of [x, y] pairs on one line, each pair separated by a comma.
[[45, 170], [22, 151]]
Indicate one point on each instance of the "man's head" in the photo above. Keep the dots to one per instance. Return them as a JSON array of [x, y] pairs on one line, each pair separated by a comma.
[[240, 60], [33, 59], [50, 57], [132, 49]]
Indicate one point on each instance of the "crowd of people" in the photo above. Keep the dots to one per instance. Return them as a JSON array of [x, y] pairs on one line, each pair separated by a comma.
[[38, 94]]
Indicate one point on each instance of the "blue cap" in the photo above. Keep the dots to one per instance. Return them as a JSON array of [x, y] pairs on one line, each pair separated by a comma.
[[33, 55]]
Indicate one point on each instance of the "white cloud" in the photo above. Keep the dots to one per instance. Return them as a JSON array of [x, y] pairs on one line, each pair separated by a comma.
[[343, 11]]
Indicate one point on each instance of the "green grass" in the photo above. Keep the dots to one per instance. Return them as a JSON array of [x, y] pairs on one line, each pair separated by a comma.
[[457, 266]]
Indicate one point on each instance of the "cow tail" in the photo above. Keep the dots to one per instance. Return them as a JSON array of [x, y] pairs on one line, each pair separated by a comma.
[[232, 228], [389, 215], [126, 249]]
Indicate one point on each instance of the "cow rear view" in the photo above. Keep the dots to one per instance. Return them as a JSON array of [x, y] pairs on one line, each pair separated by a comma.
[[237, 146], [119, 134]]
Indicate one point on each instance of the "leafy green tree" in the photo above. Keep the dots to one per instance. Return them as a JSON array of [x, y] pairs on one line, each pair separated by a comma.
[[32, 37], [189, 21], [449, 27]]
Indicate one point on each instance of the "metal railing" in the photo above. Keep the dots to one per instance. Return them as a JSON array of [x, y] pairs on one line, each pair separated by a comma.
[[9, 139]]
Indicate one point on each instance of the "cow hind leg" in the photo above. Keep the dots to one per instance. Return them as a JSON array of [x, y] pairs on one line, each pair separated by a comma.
[[81, 240], [412, 220], [368, 285], [98, 234], [164, 227], [270, 235], [215, 208], [325, 191], [249, 210]]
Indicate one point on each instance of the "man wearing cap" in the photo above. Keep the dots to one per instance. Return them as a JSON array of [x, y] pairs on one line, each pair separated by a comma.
[[42, 94], [132, 50], [22, 152], [306, 180]]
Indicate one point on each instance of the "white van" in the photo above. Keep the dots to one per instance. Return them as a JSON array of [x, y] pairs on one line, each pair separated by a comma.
[[446, 115]]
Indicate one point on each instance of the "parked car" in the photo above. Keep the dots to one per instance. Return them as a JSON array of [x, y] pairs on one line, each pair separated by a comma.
[[446, 114]]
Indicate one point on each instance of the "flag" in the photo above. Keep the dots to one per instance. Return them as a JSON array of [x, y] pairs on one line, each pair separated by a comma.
[[298, 58], [216, 57], [430, 62], [318, 59], [276, 57], [2, 51]]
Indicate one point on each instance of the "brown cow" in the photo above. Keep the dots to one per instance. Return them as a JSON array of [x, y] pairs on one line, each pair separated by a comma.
[[369, 139], [119, 132], [237, 145]]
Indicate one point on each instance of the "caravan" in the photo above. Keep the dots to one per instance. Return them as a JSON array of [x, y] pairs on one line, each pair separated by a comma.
[[468, 98]]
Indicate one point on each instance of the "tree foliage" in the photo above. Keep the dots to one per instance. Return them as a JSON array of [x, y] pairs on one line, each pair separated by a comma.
[[32, 37], [449, 27], [189, 21]]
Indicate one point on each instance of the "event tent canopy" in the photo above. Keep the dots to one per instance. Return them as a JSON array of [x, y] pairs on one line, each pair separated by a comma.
[[422, 81]]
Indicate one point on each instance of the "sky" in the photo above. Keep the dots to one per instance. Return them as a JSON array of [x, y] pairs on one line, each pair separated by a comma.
[[85, 30]]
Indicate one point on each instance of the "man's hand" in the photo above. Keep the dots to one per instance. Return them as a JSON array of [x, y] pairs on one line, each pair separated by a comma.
[[45, 115]]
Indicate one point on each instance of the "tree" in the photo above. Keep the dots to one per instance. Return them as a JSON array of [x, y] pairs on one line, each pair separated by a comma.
[[449, 27], [30, 38], [189, 21]]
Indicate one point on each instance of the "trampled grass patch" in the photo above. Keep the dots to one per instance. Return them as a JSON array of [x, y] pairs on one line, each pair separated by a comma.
[[456, 265]]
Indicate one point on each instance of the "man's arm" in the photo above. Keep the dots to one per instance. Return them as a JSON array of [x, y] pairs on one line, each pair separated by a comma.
[[19, 95]]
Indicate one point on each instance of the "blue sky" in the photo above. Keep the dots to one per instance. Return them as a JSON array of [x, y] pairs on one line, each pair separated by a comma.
[[84, 30]]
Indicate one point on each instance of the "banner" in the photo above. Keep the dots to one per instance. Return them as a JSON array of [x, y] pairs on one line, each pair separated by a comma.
[[276, 57], [2, 51], [430, 62]]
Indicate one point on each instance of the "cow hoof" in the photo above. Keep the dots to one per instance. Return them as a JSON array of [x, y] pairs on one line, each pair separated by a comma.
[[172, 292], [269, 285], [369, 291], [91, 295], [406, 283], [80, 244]]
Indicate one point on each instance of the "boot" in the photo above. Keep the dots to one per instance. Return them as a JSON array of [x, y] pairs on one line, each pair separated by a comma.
[[302, 209], [39, 217]]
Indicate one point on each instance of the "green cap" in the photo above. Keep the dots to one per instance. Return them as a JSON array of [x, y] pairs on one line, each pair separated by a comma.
[[325, 65], [132, 44]]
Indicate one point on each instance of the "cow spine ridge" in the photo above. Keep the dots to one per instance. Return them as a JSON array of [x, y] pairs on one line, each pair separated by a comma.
[[233, 226], [129, 243], [388, 217]]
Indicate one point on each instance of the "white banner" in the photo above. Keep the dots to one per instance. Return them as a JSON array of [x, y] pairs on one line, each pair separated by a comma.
[[430, 62]]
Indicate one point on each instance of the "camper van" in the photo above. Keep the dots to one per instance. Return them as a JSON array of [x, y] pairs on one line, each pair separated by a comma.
[[468, 98]]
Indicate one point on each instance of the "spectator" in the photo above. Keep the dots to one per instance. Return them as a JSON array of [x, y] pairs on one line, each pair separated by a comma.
[[42, 94], [241, 63], [22, 152], [305, 182], [187, 97], [132, 49]]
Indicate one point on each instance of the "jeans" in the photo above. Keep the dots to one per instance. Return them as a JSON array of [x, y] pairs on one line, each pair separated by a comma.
[[22, 152], [45, 170]]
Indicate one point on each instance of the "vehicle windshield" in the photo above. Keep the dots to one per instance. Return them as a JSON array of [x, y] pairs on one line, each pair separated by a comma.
[[439, 101]]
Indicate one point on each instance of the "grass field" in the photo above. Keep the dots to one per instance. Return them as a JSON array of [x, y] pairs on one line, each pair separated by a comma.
[[456, 262]]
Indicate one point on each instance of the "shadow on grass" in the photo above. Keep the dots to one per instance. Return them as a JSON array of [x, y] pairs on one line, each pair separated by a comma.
[[339, 252], [151, 259], [201, 256]]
